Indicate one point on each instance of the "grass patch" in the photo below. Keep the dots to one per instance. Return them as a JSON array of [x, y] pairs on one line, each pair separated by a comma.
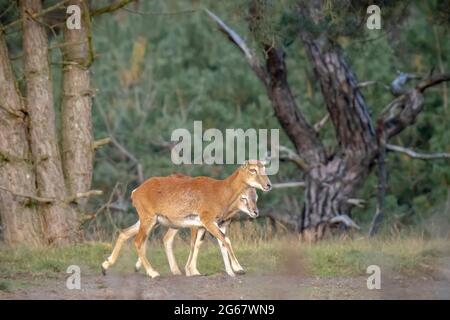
[[5, 285], [409, 256], [404, 255]]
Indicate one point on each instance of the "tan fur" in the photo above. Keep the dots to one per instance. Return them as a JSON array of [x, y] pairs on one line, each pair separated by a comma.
[[176, 198]]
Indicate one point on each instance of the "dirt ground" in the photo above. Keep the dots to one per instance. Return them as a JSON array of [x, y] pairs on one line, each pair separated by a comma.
[[220, 286]]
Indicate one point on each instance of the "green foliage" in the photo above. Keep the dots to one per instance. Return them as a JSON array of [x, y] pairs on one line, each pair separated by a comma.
[[191, 72], [154, 73]]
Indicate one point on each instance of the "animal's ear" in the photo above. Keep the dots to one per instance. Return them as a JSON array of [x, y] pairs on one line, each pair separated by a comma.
[[245, 164], [264, 162]]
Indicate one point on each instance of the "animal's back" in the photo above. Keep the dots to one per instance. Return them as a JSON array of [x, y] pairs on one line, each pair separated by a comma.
[[181, 195]]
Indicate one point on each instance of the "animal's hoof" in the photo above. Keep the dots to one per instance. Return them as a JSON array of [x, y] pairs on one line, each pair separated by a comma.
[[192, 273], [177, 273], [240, 271], [103, 271], [153, 275]]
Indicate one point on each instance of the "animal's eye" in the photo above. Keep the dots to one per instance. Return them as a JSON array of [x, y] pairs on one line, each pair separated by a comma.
[[253, 171], [244, 199]]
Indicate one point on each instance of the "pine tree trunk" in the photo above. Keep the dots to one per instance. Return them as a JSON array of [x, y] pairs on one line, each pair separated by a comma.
[[19, 216], [60, 218], [327, 191], [76, 119]]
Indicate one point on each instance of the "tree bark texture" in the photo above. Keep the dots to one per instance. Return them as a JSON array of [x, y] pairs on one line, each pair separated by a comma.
[[60, 218], [76, 122], [19, 216]]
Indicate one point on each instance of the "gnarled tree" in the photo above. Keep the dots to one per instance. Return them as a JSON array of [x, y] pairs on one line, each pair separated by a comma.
[[331, 179]]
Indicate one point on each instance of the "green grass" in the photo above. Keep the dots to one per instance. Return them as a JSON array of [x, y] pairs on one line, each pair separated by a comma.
[[409, 256]]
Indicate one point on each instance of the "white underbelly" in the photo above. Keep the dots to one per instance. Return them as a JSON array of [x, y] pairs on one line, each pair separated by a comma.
[[186, 222]]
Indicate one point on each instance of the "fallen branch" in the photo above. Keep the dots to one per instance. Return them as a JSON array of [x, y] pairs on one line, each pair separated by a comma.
[[418, 155]]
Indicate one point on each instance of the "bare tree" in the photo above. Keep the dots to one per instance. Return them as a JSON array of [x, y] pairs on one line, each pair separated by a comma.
[[331, 180]]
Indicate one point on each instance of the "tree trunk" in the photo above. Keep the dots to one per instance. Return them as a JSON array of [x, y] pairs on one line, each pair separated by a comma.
[[76, 120], [19, 217], [330, 185], [327, 191], [60, 218]]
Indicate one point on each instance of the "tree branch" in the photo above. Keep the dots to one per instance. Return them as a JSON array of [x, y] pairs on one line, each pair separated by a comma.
[[403, 111], [398, 84], [29, 196], [345, 219], [240, 43], [418, 155], [432, 81], [287, 154], [112, 7], [360, 203], [319, 125], [87, 194], [122, 149], [293, 184], [99, 143], [382, 179], [36, 15], [274, 78]]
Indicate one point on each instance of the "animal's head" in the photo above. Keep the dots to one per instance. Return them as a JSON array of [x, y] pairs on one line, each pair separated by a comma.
[[247, 202], [254, 175]]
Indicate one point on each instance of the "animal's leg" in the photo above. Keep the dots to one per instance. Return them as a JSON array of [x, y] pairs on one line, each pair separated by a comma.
[[197, 236], [144, 230], [194, 232], [213, 228], [123, 236], [234, 262], [138, 264], [168, 246]]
